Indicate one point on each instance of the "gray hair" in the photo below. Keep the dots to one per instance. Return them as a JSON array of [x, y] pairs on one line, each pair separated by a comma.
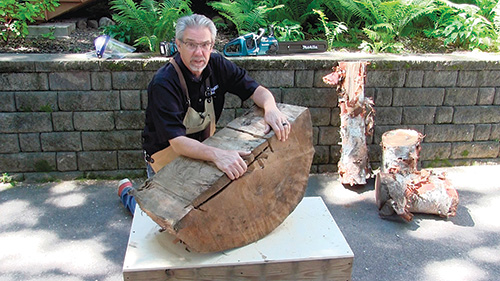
[[194, 20]]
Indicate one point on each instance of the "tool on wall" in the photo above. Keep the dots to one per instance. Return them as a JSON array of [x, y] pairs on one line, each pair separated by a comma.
[[252, 44], [168, 48]]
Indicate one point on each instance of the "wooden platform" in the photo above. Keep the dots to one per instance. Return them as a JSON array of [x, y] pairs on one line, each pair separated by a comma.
[[308, 245]]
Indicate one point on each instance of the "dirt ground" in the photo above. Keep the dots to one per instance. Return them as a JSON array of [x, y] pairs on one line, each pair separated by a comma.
[[79, 41]]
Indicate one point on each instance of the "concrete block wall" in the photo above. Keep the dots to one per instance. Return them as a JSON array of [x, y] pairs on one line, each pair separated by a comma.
[[69, 117]]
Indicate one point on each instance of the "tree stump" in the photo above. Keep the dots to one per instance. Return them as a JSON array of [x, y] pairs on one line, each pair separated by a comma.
[[400, 150], [197, 203], [403, 190], [356, 121]]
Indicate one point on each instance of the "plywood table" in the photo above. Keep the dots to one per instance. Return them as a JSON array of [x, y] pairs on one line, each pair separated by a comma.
[[308, 245]]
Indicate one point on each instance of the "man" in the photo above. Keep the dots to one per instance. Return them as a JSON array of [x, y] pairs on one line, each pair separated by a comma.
[[196, 80]]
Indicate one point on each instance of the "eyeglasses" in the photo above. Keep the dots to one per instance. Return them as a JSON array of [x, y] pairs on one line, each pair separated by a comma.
[[205, 46]]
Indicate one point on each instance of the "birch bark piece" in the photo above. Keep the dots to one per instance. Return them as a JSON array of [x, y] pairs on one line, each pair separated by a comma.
[[400, 150], [197, 203], [356, 121], [403, 190]]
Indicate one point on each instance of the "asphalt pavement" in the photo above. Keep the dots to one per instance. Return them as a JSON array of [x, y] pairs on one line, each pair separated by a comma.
[[78, 230]]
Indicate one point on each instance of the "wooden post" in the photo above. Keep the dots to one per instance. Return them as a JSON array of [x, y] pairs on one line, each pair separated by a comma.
[[356, 121], [403, 190], [197, 203]]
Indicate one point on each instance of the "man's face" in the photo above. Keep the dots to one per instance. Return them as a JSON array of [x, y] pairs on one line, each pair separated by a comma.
[[195, 48]]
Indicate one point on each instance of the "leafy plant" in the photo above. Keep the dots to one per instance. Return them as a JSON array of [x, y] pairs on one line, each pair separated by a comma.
[[148, 23], [343, 11], [288, 31], [387, 21], [296, 11], [332, 29], [50, 34], [121, 32], [382, 40], [296, 19], [247, 15], [5, 178], [465, 26], [15, 16]]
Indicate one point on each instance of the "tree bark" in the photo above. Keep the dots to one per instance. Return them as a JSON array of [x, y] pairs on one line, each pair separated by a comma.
[[356, 121], [403, 190]]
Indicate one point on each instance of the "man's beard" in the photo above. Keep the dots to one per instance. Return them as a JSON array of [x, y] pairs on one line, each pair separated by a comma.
[[197, 67]]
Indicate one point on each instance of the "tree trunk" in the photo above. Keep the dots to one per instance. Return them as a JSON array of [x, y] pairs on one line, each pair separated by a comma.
[[197, 203], [400, 151], [356, 121]]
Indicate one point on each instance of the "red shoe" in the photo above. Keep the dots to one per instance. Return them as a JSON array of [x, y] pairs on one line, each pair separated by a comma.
[[124, 183]]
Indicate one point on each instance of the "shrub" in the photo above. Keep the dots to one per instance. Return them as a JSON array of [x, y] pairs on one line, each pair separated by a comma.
[[15, 16], [467, 26], [147, 23], [387, 21], [332, 29], [247, 15]]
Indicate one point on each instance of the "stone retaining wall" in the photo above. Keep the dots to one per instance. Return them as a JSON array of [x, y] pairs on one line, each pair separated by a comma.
[[69, 116]]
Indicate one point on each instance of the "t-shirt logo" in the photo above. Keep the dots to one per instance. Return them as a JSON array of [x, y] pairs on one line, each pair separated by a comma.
[[210, 92]]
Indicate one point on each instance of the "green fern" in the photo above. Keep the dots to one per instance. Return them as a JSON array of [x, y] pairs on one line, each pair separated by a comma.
[[299, 11], [343, 11], [387, 21], [150, 22], [247, 15], [467, 26], [288, 30], [332, 29]]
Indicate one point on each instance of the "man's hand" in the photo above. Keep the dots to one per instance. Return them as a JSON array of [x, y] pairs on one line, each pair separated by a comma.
[[278, 122], [231, 162], [274, 118], [228, 161]]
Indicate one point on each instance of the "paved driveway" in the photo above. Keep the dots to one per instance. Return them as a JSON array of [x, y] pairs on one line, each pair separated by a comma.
[[77, 230]]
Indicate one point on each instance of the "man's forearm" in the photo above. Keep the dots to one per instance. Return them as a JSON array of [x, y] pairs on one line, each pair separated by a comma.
[[192, 148], [264, 99], [228, 161]]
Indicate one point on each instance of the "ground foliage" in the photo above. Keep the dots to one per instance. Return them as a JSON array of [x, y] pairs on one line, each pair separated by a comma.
[[82, 41], [352, 26]]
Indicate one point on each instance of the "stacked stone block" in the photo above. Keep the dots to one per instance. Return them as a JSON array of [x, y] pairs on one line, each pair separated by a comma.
[[83, 118]]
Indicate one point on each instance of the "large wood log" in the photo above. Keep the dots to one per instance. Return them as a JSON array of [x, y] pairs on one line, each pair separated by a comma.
[[356, 121], [400, 188], [202, 207]]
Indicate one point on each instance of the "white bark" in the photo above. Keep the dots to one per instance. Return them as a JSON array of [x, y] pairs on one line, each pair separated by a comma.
[[356, 117], [403, 190]]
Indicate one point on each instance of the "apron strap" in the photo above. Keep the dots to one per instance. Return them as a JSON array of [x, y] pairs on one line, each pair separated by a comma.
[[181, 78], [209, 108]]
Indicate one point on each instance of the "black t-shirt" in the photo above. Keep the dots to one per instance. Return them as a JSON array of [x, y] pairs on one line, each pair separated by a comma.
[[167, 104]]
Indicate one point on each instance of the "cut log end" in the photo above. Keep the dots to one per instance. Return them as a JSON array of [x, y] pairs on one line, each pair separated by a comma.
[[401, 138]]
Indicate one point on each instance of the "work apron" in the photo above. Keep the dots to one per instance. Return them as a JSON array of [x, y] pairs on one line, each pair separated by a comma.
[[194, 122]]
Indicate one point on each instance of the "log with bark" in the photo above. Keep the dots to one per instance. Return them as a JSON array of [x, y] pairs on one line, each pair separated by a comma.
[[203, 208], [400, 188], [356, 121]]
